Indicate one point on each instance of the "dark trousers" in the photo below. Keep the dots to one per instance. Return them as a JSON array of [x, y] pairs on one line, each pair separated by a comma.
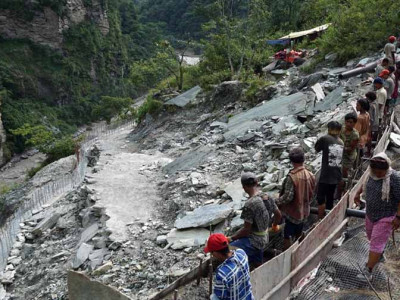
[[326, 194]]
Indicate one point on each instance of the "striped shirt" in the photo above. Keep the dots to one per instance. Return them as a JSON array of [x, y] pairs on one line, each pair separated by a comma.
[[232, 278]]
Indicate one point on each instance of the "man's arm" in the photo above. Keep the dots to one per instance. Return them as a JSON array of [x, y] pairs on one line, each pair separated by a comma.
[[357, 196], [353, 146], [318, 145], [243, 232]]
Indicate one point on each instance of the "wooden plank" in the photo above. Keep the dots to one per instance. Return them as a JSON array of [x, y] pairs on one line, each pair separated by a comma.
[[320, 232], [279, 267], [181, 281]]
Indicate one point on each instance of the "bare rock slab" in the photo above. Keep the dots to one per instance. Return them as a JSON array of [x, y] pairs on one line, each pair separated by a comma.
[[82, 255], [47, 223], [205, 216], [89, 233], [80, 287], [181, 239], [185, 98]]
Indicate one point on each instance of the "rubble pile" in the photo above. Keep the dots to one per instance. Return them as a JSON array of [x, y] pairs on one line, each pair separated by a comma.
[[212, 143]]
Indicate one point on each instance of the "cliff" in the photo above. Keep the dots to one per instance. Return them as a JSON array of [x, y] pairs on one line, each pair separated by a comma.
[[45, 26]]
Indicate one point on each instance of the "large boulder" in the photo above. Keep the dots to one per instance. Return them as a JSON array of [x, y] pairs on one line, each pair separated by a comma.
[[204, 216], [227, 92]]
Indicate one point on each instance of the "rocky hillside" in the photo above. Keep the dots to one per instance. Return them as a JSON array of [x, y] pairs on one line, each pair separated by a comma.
[[56, 59]]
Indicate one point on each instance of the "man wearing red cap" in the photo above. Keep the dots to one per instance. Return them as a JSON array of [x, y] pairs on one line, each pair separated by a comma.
[[388, 84], [232, 277], [390, 50]]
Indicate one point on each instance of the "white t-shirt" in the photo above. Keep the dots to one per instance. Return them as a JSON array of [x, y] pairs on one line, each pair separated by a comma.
[[381, 97], [388, 50]]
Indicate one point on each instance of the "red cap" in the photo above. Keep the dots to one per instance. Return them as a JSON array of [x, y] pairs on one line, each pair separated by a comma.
[[384, 72], [216, 242], [392, 38]]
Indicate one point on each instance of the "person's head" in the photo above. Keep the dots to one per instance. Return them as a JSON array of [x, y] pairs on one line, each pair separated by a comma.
[[391, 69], [384, 74], [334, 128], [218, 246], [380, 165], [296, 156], [350, 120], [371, 96], [385, 62], [249, 182], [392, 39], [362, 105], [378, 83]]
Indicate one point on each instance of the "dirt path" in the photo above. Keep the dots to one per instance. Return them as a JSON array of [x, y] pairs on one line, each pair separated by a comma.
[[126, 190]]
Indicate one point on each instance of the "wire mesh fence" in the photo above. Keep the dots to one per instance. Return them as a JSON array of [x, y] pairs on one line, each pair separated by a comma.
[[39, 196]]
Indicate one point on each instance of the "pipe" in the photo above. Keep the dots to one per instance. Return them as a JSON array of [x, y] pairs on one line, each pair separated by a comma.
[[359, 70], [349, 212]]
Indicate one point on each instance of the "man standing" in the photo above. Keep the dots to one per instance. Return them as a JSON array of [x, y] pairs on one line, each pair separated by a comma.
[[388, 84], [383, 66], [295, 197], [232, 277], [253, 236], [390, 50], [381, 97], [331, 170]]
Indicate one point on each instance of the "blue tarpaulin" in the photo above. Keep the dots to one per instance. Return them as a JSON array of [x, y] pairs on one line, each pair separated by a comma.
[[278, 42]]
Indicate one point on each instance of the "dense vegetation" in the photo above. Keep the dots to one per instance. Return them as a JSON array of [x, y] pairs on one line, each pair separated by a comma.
[[96, 76]]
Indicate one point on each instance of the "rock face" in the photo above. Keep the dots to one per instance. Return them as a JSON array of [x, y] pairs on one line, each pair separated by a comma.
[[2, 140], [46, 26]]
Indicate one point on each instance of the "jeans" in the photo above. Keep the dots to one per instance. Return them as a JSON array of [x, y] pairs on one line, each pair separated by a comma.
[[255, 255]]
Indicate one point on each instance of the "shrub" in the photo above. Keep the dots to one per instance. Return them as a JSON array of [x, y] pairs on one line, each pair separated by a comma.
[[150, 106], [110, 107]]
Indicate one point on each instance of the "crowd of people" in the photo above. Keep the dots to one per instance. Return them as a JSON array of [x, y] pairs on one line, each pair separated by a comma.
[[342, 149]]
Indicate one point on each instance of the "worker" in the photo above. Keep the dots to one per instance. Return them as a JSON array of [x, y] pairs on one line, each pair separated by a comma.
[[232, 277], [381, 192], [396, 74], [388, 84], [295, 197], [253, 236], [374, 118], [383, 66], [381, 98], [390, 50], [331, 169], [351, 138], [363, 125]]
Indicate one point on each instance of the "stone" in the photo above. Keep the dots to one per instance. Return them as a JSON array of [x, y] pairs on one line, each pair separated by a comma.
[[311, 80], [96, 258], [190, 160], [198, 180], [47, 223], [330, 102], [227, 92], [236, 222], [219, 125], [15, 261], [293, 104], [59, 255], [395, 139], [175, 272], [161, 240], [181, 239], [8, 277], [103, 269], [236, 192], [80, 287], [204, 216], [308, 143], [317, 88], [115, 245], [89, 233], [185, 98], [3, 292], [82, 255]]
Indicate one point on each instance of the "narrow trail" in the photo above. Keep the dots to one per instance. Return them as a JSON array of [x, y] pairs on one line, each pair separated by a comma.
[[126, 191]]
